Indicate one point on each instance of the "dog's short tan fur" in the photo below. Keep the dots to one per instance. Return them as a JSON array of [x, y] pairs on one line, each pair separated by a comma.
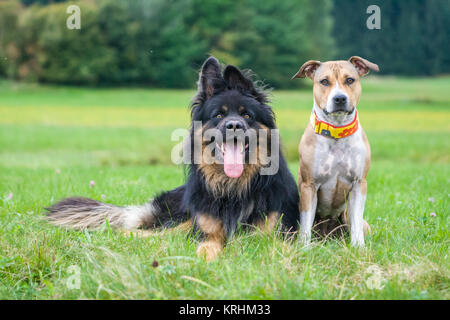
[[332, 174]]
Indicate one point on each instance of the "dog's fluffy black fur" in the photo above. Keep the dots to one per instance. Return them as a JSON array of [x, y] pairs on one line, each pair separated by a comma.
[[208, 191]]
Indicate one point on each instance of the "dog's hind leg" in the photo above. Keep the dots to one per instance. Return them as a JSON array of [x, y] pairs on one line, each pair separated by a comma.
[[215, 237], [145, 233], [269, 223]]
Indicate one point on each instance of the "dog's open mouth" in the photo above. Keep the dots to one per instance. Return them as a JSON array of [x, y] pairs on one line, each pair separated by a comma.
[[233, 154]]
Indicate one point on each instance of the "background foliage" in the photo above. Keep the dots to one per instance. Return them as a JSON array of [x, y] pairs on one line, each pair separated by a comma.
[[414, 38], [161, 43]]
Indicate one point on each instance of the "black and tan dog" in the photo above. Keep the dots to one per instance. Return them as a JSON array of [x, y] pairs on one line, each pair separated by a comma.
[[218, 195]]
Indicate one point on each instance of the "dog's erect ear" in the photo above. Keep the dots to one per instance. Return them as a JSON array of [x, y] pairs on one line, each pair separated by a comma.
[[362, 65], [236, 80], [308, 69], [210, 77]]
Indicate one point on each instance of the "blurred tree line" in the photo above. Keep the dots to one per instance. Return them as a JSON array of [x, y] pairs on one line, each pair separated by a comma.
[[414, 38], [162, 43]]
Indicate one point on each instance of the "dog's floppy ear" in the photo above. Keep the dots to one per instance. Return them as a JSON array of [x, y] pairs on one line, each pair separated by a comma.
[[236, 80], [210, 78], [307, 69], [362, 65]]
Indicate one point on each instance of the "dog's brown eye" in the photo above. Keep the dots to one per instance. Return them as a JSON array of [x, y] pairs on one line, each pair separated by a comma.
[[349, 80], [246, 116], [219, 116], [325, 82]]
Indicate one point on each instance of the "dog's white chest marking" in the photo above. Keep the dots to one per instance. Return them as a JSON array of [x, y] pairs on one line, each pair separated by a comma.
[[338, 165]]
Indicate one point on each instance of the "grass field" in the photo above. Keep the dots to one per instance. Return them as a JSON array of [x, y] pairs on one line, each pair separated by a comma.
[[55, 140]]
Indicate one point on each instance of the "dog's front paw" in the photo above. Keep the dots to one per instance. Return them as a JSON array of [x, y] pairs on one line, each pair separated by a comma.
[[304, 238], [357, 241], [209, 250]]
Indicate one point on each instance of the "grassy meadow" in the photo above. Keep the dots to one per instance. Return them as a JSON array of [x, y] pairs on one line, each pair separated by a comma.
[[55, 140]]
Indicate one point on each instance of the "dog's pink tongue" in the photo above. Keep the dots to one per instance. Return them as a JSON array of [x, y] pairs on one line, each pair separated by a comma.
[[233, 160]]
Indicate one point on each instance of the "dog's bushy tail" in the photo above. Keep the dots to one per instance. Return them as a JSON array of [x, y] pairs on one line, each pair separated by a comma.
[[83, 213]]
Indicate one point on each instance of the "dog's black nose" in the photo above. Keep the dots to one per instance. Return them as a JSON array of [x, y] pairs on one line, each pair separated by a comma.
[[340, 100], [234, 125]]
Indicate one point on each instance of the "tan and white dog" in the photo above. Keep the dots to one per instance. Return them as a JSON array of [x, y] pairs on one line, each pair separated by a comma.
[[334, 151]]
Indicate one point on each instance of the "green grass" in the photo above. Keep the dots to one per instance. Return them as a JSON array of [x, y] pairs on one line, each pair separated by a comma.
[[55, 140]]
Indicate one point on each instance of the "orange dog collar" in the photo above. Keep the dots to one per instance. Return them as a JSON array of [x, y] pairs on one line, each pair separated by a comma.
[[328, 130]]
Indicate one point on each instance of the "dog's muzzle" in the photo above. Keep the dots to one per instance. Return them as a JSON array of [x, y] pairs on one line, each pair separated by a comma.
[[340, 104]]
